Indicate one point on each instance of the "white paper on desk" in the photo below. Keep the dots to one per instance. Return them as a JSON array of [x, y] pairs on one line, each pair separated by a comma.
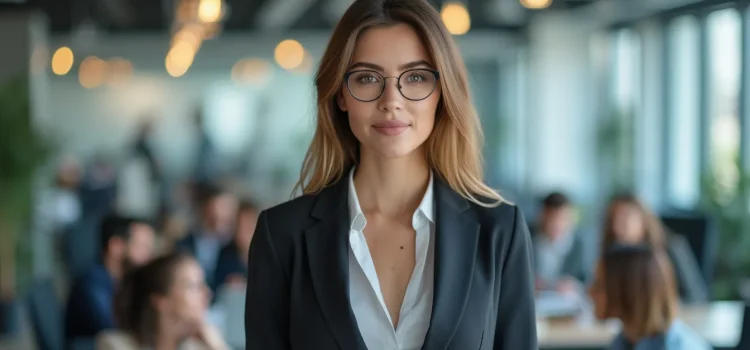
[[554, 304]]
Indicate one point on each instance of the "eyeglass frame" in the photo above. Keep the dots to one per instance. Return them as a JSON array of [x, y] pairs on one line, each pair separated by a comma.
[[347, 75]]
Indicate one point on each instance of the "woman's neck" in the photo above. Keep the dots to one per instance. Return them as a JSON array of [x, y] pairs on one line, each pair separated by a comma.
[[391, 186], [168, 335]]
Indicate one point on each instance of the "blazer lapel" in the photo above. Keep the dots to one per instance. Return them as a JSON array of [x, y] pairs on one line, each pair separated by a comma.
[[328, 256], [457, 235]]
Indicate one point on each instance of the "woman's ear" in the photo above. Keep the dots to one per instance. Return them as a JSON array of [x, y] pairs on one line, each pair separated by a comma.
[[340, 101]]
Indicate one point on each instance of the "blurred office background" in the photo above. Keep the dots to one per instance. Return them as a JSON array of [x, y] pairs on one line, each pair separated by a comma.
[[587, 97]]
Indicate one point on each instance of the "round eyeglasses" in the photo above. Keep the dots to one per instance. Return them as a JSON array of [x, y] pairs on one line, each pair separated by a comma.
[[414, 84]]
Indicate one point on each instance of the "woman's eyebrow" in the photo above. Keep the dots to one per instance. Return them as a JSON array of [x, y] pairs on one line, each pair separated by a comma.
[[376, 67]]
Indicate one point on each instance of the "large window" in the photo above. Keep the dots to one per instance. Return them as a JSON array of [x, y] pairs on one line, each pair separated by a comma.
[[617, 137], [724, 33], [683, 171]]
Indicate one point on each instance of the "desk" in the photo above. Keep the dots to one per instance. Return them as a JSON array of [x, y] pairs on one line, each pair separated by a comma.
[[720, 323]]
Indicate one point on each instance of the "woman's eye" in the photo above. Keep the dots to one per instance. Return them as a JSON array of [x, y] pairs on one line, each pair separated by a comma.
[[415, 78], [367, 79]]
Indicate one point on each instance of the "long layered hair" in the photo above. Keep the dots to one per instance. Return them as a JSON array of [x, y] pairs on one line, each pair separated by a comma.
[[134, 309], [454, 149], [640, 288]]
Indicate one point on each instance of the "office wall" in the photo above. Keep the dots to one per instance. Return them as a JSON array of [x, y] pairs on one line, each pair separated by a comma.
[[267, 127]]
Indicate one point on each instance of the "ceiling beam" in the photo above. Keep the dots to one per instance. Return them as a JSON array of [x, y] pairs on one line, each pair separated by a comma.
[[505, 12], [281, 14]]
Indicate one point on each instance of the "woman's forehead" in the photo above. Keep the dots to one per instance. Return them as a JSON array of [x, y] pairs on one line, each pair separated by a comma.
[[390, 47]]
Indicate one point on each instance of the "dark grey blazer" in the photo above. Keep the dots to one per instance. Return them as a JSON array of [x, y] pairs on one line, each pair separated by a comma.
[[297, 295]]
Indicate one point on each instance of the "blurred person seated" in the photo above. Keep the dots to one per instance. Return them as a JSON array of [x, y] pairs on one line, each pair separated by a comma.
[[231, 268], [125, 243], [635, 284], [163, 305], [559, 258], [629, 221], [217, 214]]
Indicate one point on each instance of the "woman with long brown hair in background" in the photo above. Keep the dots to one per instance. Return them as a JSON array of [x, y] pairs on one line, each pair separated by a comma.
[[397, 242], [629, 221], [635, 284]]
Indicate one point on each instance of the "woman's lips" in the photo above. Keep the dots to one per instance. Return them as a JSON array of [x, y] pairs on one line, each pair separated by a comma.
[[391, 127]]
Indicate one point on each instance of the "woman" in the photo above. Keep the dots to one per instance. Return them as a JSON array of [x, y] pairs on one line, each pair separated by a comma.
[[397, 243], [628, 221], [635, 284], [162, 305]]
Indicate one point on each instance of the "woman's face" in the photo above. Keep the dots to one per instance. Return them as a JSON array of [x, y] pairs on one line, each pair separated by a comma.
[[391, 126], [187, 300], [628, 223], [598, 294]]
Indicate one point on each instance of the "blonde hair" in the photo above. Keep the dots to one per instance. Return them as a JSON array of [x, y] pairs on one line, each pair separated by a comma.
[[454, 149]]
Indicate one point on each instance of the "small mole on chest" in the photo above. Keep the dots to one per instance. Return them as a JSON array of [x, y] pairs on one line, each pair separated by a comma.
[[402, 247]]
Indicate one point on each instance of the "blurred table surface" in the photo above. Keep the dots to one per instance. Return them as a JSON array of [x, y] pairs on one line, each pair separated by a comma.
[[720, 323]]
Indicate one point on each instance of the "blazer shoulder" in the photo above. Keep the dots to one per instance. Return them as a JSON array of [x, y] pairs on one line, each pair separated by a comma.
[[295, 208], [505, 215]]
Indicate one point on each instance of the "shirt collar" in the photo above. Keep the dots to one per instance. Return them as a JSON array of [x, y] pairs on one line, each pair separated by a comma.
[[426, 207]]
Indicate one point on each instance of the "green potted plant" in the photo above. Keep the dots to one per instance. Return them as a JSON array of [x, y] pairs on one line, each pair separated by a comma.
[[728, 202], [22, 152], [615, 147]]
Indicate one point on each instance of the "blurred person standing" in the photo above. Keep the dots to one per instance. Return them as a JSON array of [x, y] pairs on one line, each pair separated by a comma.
[[397, 242], [98, 190], [559, 254], [231, 268], [57, 212], [206, 168], [635, 284], [59, 206], [163, 306], [141, 182], [217, 212], [125, 243], [629, 221]]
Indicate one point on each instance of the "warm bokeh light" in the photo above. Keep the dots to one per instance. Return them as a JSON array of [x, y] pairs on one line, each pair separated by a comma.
[[306, 66], [456, 18], [92, 72], [536, 4], [209, 11], [251, 71], [120, 70], [289, 54], [188, 35], [179, 59], [62, 61]]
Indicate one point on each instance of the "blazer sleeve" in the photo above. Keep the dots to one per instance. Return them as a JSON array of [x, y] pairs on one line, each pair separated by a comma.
[[267, 300], [516, 314], [693, 288]]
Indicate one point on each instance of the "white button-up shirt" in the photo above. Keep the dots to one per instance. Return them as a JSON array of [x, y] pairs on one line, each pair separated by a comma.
[[366, 297]]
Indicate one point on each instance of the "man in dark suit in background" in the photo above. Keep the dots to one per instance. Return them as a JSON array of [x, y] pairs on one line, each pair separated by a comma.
[[125, 243]]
